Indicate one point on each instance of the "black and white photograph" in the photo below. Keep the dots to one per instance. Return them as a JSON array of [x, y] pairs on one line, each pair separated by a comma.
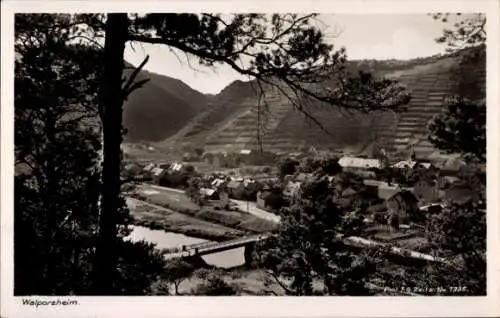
[[282, 154]]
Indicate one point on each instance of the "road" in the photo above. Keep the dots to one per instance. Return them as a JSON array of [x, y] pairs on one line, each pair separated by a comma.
[[242, 205], [254, 210]]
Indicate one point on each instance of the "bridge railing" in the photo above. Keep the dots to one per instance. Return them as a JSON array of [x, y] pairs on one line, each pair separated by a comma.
[[210, 245]]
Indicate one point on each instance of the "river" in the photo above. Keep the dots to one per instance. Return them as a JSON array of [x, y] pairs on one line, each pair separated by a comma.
[[162, 239]]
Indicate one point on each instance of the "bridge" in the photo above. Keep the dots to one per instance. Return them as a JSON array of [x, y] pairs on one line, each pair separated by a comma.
[[205, 248]]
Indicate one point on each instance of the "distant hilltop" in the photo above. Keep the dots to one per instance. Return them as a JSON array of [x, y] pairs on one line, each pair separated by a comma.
[[229, 120], [160, 108]]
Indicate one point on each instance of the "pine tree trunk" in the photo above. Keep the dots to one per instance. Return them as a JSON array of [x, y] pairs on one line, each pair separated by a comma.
[[111, 101], [50, 188]]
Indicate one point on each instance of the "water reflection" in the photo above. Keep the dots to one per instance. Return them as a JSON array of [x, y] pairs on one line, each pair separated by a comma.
[[162, 239]]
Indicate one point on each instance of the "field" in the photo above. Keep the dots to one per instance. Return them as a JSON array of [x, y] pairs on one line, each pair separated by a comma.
[[171, 221], [179, 202]]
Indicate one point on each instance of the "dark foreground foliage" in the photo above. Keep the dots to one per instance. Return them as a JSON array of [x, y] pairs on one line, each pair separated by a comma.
[[57, 183]]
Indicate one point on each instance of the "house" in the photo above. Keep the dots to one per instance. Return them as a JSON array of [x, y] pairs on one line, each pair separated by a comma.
[[452, 166], [176, 166], [245, 156], [404, 204], [365, 174], [149, 167], [426, 165], [235, 189], [261, 197], [210, 194], [411, 164], [250, 189], [382, 189], [269, 198], [405, 164], [354, 163], [224, 159], [165, 165], [461, 192], [218, 183], [157, 173], [447, 181], [432, 208], [426, 190], [248, 182]]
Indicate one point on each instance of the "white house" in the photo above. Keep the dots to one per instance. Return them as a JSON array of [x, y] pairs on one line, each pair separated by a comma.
[[176, 166], [157, 171], [405, 164], [359, 163], [149, 167], [410, 164]]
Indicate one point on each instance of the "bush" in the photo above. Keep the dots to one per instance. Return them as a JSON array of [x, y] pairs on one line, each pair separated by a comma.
[[139, 264], [176, 270], [215, 286], [160, 288], [287, 166]]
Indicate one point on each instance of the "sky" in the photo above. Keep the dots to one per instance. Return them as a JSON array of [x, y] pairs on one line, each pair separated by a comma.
[[365, 36]]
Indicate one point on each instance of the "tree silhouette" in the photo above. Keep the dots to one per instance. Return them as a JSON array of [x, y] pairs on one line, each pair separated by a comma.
[[467, 31], [176, 271], [57, 185], [461, 128], [284, 51], [308, 245]]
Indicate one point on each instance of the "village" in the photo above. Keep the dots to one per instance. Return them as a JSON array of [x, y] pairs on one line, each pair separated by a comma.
[[390, 192]]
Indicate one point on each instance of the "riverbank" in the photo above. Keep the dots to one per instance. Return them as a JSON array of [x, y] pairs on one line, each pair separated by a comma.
[[160, 218], [179, 202]]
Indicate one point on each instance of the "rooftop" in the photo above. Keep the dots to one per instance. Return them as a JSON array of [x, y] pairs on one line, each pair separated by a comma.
[[354, 162]]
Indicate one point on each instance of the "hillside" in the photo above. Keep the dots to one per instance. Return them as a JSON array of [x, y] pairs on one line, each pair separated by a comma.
[[160, 108], [222, 108], [230, 122]]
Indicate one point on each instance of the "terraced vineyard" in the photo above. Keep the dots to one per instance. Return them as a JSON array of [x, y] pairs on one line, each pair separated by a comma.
[[231, 102], [231, 122]]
